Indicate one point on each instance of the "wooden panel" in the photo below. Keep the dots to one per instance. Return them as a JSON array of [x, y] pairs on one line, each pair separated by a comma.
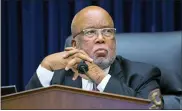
[[63, 97]]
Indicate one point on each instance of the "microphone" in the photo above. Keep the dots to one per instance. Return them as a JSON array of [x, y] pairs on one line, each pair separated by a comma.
[[82, 67]]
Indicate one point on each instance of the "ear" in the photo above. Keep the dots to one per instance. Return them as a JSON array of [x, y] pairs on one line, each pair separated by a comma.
[[73, 43]]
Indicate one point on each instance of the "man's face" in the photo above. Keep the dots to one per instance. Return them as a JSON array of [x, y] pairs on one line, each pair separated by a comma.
[[99, 47]]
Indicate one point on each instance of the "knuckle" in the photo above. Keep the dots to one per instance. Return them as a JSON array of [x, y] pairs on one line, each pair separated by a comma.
[[67, 53], [82, 51], [78, 59], [73, 61], [75, 55], [79, 54], [70, 63], [76, 50]]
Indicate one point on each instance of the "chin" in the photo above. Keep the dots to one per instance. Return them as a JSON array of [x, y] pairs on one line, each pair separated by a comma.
[[103, 62], [101, 58]]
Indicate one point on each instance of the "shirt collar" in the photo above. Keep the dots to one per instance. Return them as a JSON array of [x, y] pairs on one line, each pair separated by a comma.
[[107, 70]]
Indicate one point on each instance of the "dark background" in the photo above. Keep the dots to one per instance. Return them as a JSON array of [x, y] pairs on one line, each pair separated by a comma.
[[32, 29]]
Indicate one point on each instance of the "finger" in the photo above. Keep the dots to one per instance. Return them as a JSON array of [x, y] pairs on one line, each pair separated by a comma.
[[83, 57], [72, 63], [72, 48], [83, 52], [84, 76], [75, 76], [70, 53], [69, 48]]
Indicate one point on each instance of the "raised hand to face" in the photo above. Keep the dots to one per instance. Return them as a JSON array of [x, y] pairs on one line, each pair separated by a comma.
[[69, 59]]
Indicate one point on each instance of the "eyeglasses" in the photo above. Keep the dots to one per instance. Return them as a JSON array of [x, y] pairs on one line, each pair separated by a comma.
[[91, 33]]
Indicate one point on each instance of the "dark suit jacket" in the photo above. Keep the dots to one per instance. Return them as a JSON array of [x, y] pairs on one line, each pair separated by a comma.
[[127, 78]]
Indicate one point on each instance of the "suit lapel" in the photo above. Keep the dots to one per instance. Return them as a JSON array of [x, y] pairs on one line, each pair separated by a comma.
[[116, 68], [63, 77], [73, 83]]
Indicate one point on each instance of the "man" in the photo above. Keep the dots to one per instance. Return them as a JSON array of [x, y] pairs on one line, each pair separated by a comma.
[[94, 42]]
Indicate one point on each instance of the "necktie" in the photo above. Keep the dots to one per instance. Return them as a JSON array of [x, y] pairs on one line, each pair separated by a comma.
[[95, 87]]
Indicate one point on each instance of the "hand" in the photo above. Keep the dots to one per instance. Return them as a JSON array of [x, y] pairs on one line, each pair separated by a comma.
[[60, 60], [94, 72], [55, 61], [76, 57]]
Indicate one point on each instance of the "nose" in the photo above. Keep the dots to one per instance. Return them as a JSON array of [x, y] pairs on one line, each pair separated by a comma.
[[100, 39]]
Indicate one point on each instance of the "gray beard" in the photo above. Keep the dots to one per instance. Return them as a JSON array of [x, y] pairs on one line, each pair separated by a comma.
[[103, 62]]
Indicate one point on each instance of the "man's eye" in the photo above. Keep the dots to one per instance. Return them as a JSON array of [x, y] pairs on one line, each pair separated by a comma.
[[108, 31], [91, 32]]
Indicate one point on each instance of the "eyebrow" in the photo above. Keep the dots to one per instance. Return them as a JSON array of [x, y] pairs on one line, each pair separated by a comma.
[[97, 27]]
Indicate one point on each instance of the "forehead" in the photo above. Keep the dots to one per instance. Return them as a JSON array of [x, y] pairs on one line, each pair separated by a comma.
[[94, 19]]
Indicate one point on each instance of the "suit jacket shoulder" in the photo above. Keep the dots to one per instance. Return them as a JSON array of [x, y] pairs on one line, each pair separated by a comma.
[[143, 69], [135, 78]]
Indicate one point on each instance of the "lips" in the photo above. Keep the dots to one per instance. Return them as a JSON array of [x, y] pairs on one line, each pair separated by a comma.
[[101, 52], [101, 49]]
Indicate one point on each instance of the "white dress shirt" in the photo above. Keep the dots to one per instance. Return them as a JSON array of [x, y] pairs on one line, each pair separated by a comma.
[[45, 77]]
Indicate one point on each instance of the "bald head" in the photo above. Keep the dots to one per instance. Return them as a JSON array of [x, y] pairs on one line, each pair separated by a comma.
[[91, 17]]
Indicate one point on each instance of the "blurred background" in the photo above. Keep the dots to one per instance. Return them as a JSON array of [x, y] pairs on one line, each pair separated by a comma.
[[33, 29]]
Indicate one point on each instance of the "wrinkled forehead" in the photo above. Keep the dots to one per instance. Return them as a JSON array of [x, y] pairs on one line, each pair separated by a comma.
[[93, 19], [94, 23]]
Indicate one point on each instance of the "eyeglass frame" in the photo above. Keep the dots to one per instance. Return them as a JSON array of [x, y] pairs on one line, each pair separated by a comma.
[[94, 29]]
